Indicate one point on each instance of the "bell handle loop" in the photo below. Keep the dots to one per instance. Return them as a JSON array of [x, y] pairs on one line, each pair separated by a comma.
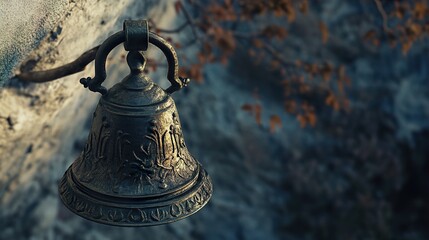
[[94, 84], [172, 61]]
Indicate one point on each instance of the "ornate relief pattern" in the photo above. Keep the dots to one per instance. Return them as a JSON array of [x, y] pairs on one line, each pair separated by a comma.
[[159, 160], [94, 151], [136, 216]]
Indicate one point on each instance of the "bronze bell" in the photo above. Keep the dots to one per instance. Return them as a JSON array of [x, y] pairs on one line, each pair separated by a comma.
[[135, 169]]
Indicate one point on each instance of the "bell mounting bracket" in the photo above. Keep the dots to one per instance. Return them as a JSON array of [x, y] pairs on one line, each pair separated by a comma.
[[136, 37]]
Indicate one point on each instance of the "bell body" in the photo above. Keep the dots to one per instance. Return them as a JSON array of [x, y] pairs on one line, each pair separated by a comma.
[[135, 169]]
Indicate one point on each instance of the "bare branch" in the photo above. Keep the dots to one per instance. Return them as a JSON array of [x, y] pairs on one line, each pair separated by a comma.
[[383, 15], [276, 55], [190, 43], [170, 31], [77, 65], [249, 35], [192, 23]]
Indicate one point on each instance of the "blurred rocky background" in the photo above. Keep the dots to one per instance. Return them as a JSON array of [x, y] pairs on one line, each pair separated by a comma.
[[358, 172]]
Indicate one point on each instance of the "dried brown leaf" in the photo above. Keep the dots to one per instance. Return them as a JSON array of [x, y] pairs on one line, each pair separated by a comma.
[[247, 107], [326, 71], [325, 32], [302, 120], [371, 34], [303, 6], [274, 31], [275, 123], [311, 118], [420, 10], [290, 106], [258, 43], [178, 6]]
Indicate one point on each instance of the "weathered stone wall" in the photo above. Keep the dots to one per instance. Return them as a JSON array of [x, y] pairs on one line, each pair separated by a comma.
[[24, 24], [40, 124]]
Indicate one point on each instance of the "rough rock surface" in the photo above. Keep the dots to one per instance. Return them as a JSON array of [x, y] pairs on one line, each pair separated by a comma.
[[24, 24], [40, 123]]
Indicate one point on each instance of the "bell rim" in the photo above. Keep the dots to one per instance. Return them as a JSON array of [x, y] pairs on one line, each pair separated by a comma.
[[166, 211]]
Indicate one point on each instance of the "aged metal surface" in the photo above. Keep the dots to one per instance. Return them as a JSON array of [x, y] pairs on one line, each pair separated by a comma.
[[136, 35], [94, 84], [135, 169]]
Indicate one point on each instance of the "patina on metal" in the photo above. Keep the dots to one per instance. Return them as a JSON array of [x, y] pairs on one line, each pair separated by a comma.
[[135, 169]]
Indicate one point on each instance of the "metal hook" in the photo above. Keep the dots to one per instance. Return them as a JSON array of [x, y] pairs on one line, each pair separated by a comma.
[[136, 37]]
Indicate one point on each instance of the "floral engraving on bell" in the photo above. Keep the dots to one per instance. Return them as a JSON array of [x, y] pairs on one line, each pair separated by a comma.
[[158, 161], [158, 214], [136, 215], [176, 210], [115, 215], [96, 212], [104, 135], [99, 144]]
